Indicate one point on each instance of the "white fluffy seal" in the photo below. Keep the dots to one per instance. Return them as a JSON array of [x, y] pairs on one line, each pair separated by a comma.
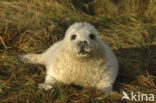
[[81, 58]]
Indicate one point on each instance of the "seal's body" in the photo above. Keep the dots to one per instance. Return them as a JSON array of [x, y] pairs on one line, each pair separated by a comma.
[[81, 58]]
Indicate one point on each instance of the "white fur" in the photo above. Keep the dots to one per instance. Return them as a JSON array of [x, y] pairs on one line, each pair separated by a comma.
[[64, 64]]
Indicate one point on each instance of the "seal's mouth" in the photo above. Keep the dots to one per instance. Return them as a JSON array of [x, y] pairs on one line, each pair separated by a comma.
[[83, 53]]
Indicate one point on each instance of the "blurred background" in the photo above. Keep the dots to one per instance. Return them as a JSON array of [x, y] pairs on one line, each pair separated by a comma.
[[31, 26]]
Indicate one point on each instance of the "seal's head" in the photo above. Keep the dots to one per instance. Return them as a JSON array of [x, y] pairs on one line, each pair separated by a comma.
[[82, 39]]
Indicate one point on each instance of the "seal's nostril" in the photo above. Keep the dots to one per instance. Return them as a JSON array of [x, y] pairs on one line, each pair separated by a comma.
[[80, 43], [83, 43]]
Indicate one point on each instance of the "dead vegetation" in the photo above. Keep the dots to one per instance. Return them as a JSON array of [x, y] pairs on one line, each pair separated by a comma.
[[127, 26]]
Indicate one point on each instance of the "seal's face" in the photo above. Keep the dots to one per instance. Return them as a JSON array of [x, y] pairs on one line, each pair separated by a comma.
[[82, 39]]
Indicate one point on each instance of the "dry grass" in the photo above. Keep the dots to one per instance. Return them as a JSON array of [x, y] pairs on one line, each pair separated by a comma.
[[127, 26]]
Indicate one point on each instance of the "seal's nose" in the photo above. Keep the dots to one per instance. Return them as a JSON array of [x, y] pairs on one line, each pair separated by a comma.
[[83, 43]]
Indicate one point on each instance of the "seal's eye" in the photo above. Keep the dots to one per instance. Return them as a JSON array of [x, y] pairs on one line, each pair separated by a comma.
[[73, 37], [92, 36]]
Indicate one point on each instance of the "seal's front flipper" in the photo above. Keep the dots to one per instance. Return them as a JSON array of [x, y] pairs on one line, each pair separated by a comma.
[[31, 58]]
